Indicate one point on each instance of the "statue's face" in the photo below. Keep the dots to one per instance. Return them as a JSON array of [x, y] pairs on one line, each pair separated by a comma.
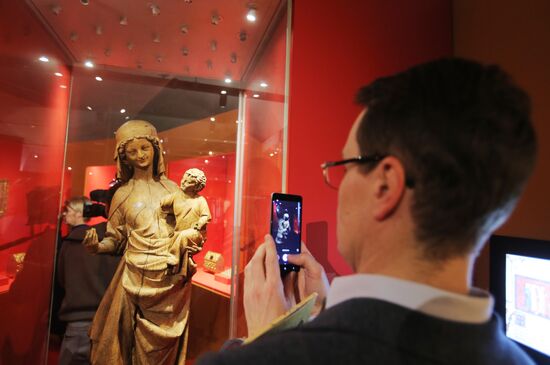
[[188, 182], [139, 153]]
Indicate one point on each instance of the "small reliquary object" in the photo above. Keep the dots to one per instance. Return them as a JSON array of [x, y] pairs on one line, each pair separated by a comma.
[[213, 262]]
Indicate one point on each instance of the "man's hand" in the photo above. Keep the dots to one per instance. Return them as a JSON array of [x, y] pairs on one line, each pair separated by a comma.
[[264, 297], [311, 278], [90, 241]]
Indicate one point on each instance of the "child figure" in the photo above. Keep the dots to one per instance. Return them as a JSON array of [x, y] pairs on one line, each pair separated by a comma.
[[192, 215]]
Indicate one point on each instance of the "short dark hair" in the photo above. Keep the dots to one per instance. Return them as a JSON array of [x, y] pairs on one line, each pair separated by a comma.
[[464, 135]]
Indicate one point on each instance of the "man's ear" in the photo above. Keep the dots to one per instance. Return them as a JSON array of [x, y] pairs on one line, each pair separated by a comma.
[[389, 186]]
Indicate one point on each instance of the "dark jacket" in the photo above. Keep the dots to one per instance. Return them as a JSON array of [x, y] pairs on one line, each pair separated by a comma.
[[370, 331], [84, 276]]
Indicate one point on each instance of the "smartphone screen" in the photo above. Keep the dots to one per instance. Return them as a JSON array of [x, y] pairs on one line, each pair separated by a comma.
[[286, 227]]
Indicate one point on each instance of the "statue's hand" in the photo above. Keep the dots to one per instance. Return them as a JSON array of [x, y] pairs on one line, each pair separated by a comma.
[[90, 241]]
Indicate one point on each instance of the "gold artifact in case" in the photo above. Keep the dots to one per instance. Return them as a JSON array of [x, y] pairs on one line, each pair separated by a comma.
[[213, 262]]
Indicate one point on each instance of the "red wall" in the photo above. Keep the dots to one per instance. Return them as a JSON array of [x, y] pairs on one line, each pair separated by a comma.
[[336, 48]]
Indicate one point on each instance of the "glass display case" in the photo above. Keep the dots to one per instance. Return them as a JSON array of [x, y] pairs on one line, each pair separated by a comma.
[[209, 77]]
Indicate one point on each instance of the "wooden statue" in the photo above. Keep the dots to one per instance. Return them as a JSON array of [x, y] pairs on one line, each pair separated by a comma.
[[143, 317], [192, 215]]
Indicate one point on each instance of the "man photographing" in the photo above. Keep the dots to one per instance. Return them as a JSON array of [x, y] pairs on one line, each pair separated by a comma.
[[434, 164]]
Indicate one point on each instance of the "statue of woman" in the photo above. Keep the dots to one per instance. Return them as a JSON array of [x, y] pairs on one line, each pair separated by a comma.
[[143, 317]]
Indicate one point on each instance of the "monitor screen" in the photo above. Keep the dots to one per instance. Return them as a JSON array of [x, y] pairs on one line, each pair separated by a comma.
[[528, 301], [520, 284]]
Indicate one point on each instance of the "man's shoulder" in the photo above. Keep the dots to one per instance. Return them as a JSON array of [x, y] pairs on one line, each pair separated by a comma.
[[374, 331]]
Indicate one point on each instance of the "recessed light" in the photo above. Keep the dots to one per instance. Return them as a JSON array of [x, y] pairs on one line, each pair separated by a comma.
[[122, 111], [271, 154], [44, 59], [212, 119], [35, 156], [58, 74], [69, 168], [89, 64], [206, 161], [251, 15], [210, 153], [90, 173], [263, 84], [227, 80], [127, 117], [89, 108], [223, 92], [237, 121], [98, 78], [63, 86], [256, 95]]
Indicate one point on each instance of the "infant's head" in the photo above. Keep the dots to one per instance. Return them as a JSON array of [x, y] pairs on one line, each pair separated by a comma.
[[193, 178]]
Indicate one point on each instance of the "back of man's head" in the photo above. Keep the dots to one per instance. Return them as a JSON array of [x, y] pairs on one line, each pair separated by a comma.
[[463, 133], [77, 204]]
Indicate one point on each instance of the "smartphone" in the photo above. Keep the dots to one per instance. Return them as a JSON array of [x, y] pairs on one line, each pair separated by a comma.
[[286, 228]]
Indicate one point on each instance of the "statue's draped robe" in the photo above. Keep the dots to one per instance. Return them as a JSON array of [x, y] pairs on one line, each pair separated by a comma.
[[143, 317]]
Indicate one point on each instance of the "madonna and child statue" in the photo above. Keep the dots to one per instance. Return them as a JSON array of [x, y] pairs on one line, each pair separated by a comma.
[[157, 227]]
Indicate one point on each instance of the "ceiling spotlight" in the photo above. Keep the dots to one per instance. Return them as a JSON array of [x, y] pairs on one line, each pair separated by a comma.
[[122, 111], [215, 19], [206, 161], [69, 168], [123, 20], [256, 95], [98, 78], [223, 92], [251, 15], [35, 156], [89, 64], [155, 9], [210, 153], [98, 30], [84, 2], [127, 117], [89, 108], [44, 59], [233, 57], [63, 86], [58, 74], [227, 80], [156, 38], [184, 29], [56, 9], [263, 84], [212, 119]]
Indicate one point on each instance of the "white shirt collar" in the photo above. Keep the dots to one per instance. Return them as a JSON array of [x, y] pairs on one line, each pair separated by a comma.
[[476, 307]]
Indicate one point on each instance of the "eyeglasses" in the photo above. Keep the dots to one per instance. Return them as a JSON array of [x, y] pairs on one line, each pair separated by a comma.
[[334, 171]]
